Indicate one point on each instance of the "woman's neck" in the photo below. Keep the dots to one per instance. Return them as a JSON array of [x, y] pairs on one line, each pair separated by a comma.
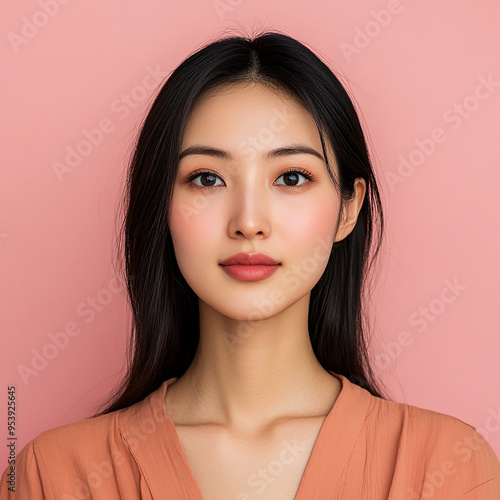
[[249, 375]]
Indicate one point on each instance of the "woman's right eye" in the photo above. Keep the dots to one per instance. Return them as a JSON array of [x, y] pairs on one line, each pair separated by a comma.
[[207, 177]]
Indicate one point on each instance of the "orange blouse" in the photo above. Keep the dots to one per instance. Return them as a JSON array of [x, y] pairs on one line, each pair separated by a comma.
[[367, 448]]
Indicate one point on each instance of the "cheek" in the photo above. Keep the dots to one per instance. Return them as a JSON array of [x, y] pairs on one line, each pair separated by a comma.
[[193, 226], [310, 222]]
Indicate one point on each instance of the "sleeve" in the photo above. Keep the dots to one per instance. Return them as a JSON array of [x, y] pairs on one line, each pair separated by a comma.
[[482, 481], [21, 479]]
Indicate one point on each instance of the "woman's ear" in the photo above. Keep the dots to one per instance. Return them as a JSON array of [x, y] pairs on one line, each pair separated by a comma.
[[351, 210]]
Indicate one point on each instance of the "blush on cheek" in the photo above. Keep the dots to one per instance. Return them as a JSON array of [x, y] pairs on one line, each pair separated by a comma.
[[310, 223], [186, 220], [324, 220], [196, 231]]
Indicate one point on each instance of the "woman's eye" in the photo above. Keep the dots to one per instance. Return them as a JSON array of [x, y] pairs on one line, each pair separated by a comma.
[[209, 179], [292, 177]]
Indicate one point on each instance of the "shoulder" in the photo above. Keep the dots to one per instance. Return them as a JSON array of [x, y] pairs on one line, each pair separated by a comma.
[[425, 421], [95, 437], [89, 434], [94, 434], [424, 427], [61, 452], [418, 433], [99, 452], [72, 458], [391, 417], [428, 451], [438, 443], [65, 455]]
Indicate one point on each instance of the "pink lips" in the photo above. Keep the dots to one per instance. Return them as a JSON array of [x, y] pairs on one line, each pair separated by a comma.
[[247, 259], [249, 267]]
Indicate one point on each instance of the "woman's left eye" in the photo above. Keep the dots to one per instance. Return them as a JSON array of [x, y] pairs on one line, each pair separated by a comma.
[[293, 175]]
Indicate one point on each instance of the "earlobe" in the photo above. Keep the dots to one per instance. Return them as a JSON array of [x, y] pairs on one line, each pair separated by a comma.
[[351, 210]]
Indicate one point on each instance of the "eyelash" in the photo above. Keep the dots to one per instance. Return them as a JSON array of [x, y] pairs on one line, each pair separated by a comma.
[[308, 175]]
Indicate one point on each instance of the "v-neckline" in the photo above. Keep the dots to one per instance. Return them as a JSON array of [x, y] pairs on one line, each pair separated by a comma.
[[328, 458]]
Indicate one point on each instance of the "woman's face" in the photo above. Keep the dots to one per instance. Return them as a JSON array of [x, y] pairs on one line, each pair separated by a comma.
[[248, 203]]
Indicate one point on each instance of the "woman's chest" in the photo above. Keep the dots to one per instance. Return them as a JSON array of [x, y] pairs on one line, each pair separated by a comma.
[[229, 468]]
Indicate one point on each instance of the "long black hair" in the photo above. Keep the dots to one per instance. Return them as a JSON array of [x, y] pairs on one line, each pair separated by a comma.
[[165, 326]]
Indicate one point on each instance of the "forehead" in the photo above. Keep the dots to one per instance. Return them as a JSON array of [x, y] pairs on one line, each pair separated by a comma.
[[250, 111]]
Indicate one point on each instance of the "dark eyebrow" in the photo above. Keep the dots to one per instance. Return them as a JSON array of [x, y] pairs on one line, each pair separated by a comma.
[[293, 149]]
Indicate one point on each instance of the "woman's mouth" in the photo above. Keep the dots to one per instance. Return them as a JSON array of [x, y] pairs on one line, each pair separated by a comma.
[[250, 273], [250, 267]]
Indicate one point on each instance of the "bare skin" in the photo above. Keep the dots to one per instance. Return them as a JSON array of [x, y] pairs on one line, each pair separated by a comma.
[[255, 381]]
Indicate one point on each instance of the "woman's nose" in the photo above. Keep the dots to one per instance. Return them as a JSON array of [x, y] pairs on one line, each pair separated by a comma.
[[249, 212]]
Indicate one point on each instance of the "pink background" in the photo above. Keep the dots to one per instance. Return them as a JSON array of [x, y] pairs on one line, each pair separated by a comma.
[[415, 67]]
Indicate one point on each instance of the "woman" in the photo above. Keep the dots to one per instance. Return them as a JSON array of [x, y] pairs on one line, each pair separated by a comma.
[[252, 209]]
